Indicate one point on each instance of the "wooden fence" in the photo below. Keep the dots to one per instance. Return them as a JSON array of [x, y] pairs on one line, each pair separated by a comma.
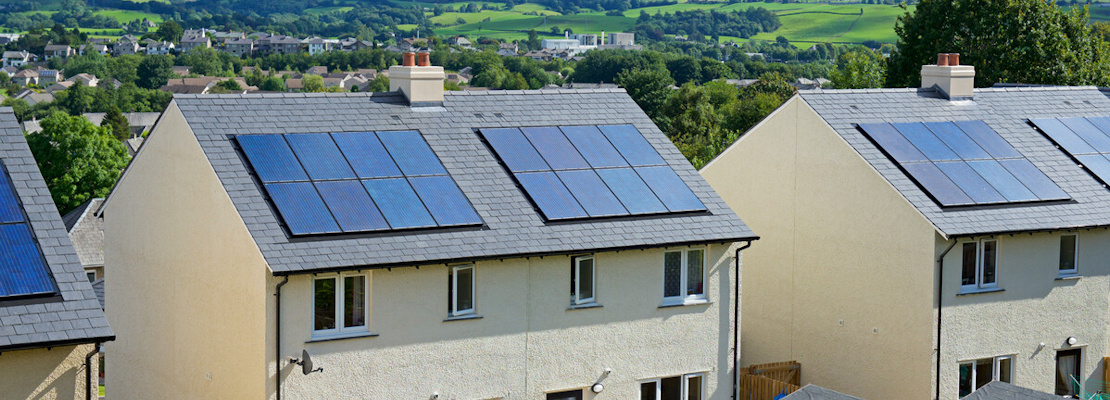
[[765, 381]]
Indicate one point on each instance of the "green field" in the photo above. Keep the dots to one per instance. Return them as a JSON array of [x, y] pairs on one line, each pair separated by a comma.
[[327, 10], [125, 16]]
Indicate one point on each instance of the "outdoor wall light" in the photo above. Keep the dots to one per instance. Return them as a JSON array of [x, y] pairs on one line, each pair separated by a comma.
[[1072, 341], [597, 388]]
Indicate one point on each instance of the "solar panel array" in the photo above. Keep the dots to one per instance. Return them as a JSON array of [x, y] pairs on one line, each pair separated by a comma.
[[573, 172], [350, 182], [963, 163], [23, 271], [1086, 139]]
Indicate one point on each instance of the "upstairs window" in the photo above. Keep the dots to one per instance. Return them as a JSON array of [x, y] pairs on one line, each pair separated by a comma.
[[340, 304], [980, 265], [683, 276], [460, 297], [582, 276], [1069, 254]]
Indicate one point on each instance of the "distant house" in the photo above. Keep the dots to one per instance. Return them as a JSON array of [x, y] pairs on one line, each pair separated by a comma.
[[138, 122], [26, 77], [58, 87], [239, 47], [202, 85], [181, 70], [51, 323], [93, 48], [49, 77], [86, 232], [154, 47], [58, 50], [461, 42], [192, 42], [316, 70], [17, 58], [316, 45], [126, 45], [32, 97], [223, 37]]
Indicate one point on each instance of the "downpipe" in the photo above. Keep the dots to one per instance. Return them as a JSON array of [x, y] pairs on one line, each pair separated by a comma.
[[277, 337], [736, 326]]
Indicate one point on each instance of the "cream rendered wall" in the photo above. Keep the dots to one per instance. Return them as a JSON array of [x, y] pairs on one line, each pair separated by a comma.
[[841, 279], [527, 342], [55, 373], [187, 295], [1034, 307]]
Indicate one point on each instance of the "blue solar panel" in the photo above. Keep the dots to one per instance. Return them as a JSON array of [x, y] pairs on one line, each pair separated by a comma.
[[926, 142], [670, 189], [514, 149], [554, 147], [1089, 133], [271, 158], [1087, 140], [22, 269], [632, 145], [594, 146], [1063, 136], [351, 205], [411, 153], [636, 196], [319, 156], [301, 208], [963, 163], [550, 195], [9, 205], [444, 200], [367, 156], [399, 203], [594, 196]]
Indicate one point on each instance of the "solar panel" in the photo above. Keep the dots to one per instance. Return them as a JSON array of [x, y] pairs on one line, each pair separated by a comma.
[[1087, 140], [324, 183], [587, 171], [23, 270], [9, 206], [963, 163]]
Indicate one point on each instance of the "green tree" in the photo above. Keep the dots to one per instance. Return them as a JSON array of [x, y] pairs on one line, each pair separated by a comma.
[[648, 87], [859, 69], [78, 160], [272, 84], [76, 100], [1026, 41], [118, 123], [19, 107], [154, 71], [169, 31], [380, 83], [533, 40], [313, 83]]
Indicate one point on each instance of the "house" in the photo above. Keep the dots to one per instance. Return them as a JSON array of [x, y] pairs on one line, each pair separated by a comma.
[[48, 77], [192, 42], [138, 122], [26, 77], [509, 46], [920, 243], [223, 37], [468, 300], [317, 45], [86, 232], [32, 97], [50, 321], [317, 70], [239, 47], [202, 84], [126, 45], [58, 87], [507, 53], [17, 58], [154, 47], [181, 70], [57, 50], [461, 42], [280, 44], [93, 48]]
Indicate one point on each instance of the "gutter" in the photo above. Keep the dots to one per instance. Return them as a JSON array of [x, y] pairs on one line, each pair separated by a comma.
[[56, 343], [88, 372], [277, 337], [736, 325], [940, 298]]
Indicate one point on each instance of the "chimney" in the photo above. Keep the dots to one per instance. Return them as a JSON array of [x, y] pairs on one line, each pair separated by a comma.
[[954, 80], [418, 80]]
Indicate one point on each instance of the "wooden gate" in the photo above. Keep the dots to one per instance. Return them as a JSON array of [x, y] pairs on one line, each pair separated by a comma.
[[765, 381]]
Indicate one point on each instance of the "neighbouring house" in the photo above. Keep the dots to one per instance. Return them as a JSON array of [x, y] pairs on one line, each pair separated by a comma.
[[512, 48], [50, 321], [17, 58], [456, 260], [239, 47], [181, 70], [920, 243], [317, 45], [49, 77], [154, 47], [32, 97], [461, 42], [86, 232], [317, 70], [93, 48], [126, 45], [202, 84], [86, 79], [138, 122], [58, 87], [58, 50], [26, 77], [223, 37], [192, 42]]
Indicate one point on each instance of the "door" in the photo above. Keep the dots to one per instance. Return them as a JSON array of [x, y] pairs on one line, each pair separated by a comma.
[[1068, 371], [567, 395]]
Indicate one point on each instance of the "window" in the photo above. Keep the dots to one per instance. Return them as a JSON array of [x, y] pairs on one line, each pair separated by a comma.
[[980, 265], [460, 286], [1069, 251], [683, 275], [1069, 370], [582, 280], [976, 373], [340, 304], [91, 275], [567, 395], [683, 387]]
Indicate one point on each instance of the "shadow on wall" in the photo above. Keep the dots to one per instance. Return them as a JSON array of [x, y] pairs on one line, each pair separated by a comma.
[[43, 374]]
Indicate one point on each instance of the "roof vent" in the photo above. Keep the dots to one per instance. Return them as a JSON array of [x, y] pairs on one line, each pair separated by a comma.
[[956, 81], [418, 80]]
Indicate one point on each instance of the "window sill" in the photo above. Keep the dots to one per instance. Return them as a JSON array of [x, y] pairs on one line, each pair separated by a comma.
[[1069, 277], [341, 336], [584, 306], [968, 292], [684, 303], [463, 317]]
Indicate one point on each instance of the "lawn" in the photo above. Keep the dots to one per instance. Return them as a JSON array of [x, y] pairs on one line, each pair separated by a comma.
[[125, 16]]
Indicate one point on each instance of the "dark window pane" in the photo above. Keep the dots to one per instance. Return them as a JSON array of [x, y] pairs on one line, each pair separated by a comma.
[[1067, 252], [893, 143], [672, 274], [411, 153], [354, 301], [271, 158], [567, 395], [965, 379], [925, 141], [325, 304], [693, 388], [1005, 369], [990, 261], [671, 388], [319, 156], [554, 147], [586, 279], [367, 155], [984, 372], [1067, 372], [465, 285], [970, 253], [301, 208], [695, 261], [647, 391]]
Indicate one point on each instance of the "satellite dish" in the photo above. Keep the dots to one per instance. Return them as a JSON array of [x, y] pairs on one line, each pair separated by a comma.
[[306, 363]]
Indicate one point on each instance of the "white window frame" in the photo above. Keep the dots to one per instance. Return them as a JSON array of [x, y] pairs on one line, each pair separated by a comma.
[[454, 299], [683, 298], [685, 385], [1075, 263], [576, 282], [980, 254], [340, 289], [996, 369]]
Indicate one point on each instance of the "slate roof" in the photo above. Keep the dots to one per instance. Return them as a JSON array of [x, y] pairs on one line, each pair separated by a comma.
[[86, 231], [814, 392], [513, 227], [76, 316], [98, 288], [997, 390], [1006, 110]]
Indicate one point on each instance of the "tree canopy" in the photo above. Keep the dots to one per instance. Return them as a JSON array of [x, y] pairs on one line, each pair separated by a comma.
[[78, 160], [1020, 41]]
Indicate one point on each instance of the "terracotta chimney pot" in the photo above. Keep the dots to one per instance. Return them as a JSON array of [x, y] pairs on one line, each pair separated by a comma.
[[953, 59], [408, 59], [942, 59], [423, 60]]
